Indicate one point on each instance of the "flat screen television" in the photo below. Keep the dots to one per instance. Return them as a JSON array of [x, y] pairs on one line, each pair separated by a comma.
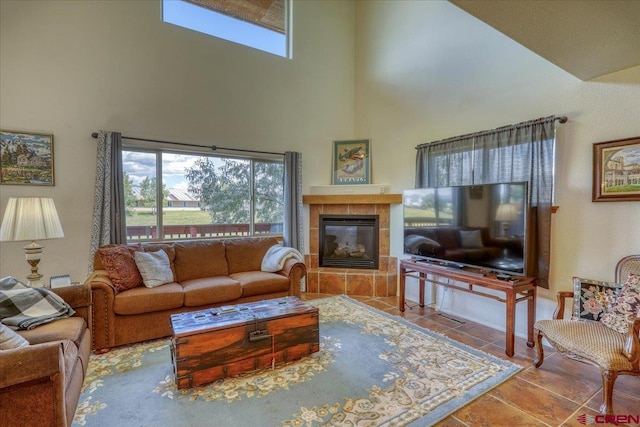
[[483, 226]]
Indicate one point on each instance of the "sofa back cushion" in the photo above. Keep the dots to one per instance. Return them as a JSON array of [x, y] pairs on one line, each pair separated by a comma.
[[200, 258], [245, 254]]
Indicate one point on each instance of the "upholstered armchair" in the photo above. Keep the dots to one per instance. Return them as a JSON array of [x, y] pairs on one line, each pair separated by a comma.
[[614, 348]]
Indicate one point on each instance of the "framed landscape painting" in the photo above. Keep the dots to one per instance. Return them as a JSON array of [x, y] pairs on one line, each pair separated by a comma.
[[616, 170], [26, 158], [351, 162]]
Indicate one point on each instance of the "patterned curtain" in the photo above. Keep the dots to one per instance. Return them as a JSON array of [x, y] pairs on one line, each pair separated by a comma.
[[293, 236], [108, 226], [521, 152]]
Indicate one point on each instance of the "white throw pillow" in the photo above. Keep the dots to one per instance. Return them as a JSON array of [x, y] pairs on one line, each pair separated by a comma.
[[10, 339], [155, 268]]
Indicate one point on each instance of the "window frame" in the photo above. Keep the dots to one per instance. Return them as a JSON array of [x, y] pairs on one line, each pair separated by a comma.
[[158, 152]]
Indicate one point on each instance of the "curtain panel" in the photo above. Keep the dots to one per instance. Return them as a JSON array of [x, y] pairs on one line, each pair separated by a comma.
[[521, 152], [109, 222], [292, 234]]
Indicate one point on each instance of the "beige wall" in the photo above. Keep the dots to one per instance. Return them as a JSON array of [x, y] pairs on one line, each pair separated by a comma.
[[427, 70], [74, 67]]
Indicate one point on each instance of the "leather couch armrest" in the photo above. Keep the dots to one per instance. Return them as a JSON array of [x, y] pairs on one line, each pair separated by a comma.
[[295, 271], [102, 309], [79, 298], [24, 364]]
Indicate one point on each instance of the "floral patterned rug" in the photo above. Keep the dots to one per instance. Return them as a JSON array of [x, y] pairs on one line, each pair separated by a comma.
[[373, 369]]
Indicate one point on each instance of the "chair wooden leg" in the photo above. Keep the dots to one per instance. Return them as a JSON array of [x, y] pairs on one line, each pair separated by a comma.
[[608, 380], [537, 338]]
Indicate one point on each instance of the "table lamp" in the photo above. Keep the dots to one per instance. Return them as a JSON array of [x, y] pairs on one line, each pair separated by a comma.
[[506, 213], [31, 219]]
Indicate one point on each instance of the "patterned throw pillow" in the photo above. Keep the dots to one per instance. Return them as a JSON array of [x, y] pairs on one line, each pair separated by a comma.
[[121, 266], [626, 307], [592, 299], [10, 339]]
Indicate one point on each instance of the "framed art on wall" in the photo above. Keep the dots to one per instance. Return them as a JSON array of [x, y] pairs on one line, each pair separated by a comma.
[[351, 162], [26, 158], [616, 170]]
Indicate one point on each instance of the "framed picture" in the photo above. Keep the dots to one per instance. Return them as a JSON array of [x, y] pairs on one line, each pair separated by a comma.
[[616, 170], [26, 158], [351, 162]]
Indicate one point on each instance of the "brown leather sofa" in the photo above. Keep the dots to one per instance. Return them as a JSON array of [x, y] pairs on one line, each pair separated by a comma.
[[207, 273], [40, 384]]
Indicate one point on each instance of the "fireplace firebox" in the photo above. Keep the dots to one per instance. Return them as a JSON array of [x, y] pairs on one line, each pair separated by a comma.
[[349, 241]]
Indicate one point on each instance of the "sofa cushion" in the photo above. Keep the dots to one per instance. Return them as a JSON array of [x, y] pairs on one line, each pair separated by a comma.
[[71, 328], [246, 254], [200, 258], [210, 290], [120, 266], [154, 267], [261, 282], [145, 300], [448, 237], [10, 339]]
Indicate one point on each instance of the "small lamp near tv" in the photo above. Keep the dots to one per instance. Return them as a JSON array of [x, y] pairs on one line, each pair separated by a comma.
[[506, 214], [30, 219]]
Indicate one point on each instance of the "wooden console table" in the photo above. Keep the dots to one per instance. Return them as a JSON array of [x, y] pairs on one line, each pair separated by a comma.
[[515, 290]]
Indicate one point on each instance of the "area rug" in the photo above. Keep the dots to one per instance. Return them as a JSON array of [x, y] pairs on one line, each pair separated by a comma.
[[373, 369]]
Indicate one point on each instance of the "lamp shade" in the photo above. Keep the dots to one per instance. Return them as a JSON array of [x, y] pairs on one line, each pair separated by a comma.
[[29, 219], [506, 212]]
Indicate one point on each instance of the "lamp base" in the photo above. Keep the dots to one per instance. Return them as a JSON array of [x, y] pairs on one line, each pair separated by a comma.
[[33, 253]]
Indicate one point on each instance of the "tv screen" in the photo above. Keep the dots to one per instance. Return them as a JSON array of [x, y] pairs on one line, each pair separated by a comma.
[[482, 226]]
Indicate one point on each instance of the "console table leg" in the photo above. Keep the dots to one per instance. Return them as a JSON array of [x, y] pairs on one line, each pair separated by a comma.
[[402, 280], [511, 316], [531, 316], [422, 284]]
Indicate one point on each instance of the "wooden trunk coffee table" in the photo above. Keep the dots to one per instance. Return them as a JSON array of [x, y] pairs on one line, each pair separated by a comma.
[[215, 343]]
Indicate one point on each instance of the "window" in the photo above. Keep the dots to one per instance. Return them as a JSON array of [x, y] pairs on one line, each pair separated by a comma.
[[258, 24], [200, 195]]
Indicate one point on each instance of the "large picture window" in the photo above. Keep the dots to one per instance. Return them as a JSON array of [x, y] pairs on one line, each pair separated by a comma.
[[172, 195]]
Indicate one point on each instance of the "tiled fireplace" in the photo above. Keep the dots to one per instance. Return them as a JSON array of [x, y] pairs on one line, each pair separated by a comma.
[[380, 281]]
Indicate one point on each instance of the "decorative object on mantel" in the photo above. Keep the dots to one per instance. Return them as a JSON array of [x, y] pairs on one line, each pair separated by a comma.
[[616, 170], [26, 158], [351, 162], [30, 219]]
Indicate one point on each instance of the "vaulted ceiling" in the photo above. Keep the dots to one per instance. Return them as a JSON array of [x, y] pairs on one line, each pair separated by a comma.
[[585, 38]]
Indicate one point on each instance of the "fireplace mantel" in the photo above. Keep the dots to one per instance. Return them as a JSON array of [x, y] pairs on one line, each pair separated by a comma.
[[352, 199]]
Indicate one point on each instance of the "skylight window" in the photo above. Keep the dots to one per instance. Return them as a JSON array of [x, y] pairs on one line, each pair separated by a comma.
[[258, 24]]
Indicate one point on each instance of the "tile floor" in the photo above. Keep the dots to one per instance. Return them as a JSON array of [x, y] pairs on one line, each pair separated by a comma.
[[553, 395]]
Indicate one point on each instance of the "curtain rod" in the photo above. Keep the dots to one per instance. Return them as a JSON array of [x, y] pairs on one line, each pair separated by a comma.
[[212, 147], [559, 119]]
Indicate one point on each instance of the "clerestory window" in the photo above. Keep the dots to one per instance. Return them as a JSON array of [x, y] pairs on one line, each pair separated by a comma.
[[200, 196], [260, 24]]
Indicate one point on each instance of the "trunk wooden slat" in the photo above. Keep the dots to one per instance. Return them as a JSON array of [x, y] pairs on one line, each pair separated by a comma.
[[215, 343]]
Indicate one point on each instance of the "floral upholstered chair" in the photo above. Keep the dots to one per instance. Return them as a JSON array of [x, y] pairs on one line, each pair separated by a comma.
[[604, 329]]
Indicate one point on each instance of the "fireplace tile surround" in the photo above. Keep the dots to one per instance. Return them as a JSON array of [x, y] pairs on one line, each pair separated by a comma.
[[329, 280]]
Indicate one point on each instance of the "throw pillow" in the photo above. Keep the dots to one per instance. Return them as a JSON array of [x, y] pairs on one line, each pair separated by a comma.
[[471, 239], [592, 299], [10, 339], [120, 266], [626, 306], [154, 267]]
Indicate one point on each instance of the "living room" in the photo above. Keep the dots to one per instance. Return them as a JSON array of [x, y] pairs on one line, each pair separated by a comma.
[[399, 73]]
